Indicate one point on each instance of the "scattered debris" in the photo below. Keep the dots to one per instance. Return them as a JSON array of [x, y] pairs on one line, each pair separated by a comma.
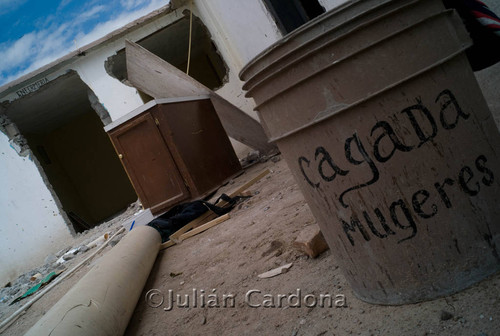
[[276, 271], [311, 241], [445, 316], [276, 159], [275, 248], [68, 256], [83, 249], [173, 274], [117, 239], [98, 241], [62, 252], [251, 158], [50, 259], [36, 277], [42, 283]]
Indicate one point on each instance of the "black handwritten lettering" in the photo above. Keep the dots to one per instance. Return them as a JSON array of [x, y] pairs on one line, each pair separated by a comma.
[[351, 159], [396, 142], [355, 223], [488, 179], [418, 202], [416, 126], [301, 160], [444, 196], [409, 218], [383, 223], [328, 159], [380, 146], [465, 176], [401, 215], [458, 110]]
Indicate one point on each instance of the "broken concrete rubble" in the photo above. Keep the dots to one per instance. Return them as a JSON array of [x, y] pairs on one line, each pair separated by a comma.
[[311, 241]]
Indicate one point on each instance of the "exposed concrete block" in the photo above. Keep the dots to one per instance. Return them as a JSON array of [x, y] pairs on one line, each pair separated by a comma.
[[311, 241], [11, 130]]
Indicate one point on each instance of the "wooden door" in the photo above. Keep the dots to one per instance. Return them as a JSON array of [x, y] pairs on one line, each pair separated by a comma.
[[149, 164]]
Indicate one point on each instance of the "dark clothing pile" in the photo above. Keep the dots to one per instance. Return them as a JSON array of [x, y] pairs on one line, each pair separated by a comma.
[[182, 214]]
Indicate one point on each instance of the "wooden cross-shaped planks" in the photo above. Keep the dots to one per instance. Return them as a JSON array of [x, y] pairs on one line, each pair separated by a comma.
[[209, 218], [159, 79]]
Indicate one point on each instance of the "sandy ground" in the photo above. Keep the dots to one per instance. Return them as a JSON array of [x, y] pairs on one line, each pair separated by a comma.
[[22, 284], [259, 237], [226, 260]]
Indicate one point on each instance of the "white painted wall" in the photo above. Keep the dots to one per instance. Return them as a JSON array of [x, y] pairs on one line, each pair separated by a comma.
[[30, 224], [241, 29]]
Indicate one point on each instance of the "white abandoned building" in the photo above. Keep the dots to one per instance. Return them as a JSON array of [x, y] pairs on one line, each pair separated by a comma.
[[59, 166], [57, 160]]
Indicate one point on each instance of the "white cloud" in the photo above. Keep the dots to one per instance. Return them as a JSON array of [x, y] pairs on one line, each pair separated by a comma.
[[14, 55], [129, 4], [63, 4], [32, 51], [88, 14], [7, 6], [121, 20], [39, 48]]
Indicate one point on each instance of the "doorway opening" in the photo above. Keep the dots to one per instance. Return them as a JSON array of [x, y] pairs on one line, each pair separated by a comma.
[[62, 123], [291, 14], [171, 44]]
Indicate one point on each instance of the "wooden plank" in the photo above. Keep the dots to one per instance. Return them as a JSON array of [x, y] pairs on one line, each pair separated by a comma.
[[159, 79], [209, 215], [241, 127], [249, 183], [205, 226], [167, 244], [204, 218]]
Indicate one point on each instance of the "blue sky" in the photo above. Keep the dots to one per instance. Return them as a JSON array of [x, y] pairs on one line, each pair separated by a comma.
[[35, 33]]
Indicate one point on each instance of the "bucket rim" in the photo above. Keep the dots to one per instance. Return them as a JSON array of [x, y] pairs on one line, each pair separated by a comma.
[[266, 55], [306, 27], [461, 41], [331, 112], [252, 82]]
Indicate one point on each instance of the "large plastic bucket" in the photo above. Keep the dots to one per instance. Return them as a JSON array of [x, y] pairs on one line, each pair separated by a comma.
[[385, 129]]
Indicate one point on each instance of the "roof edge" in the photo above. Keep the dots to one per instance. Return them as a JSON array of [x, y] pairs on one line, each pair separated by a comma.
[[62, 61]]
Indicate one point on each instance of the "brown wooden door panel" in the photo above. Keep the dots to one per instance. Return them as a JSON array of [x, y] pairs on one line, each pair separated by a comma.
[[149, 163], [199, 144]]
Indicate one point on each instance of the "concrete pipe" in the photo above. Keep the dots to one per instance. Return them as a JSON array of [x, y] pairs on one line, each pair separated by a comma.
[[103, 301]]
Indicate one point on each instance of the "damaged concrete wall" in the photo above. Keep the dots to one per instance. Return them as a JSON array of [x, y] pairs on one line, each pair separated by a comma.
[[228, 23], [31, 226]]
